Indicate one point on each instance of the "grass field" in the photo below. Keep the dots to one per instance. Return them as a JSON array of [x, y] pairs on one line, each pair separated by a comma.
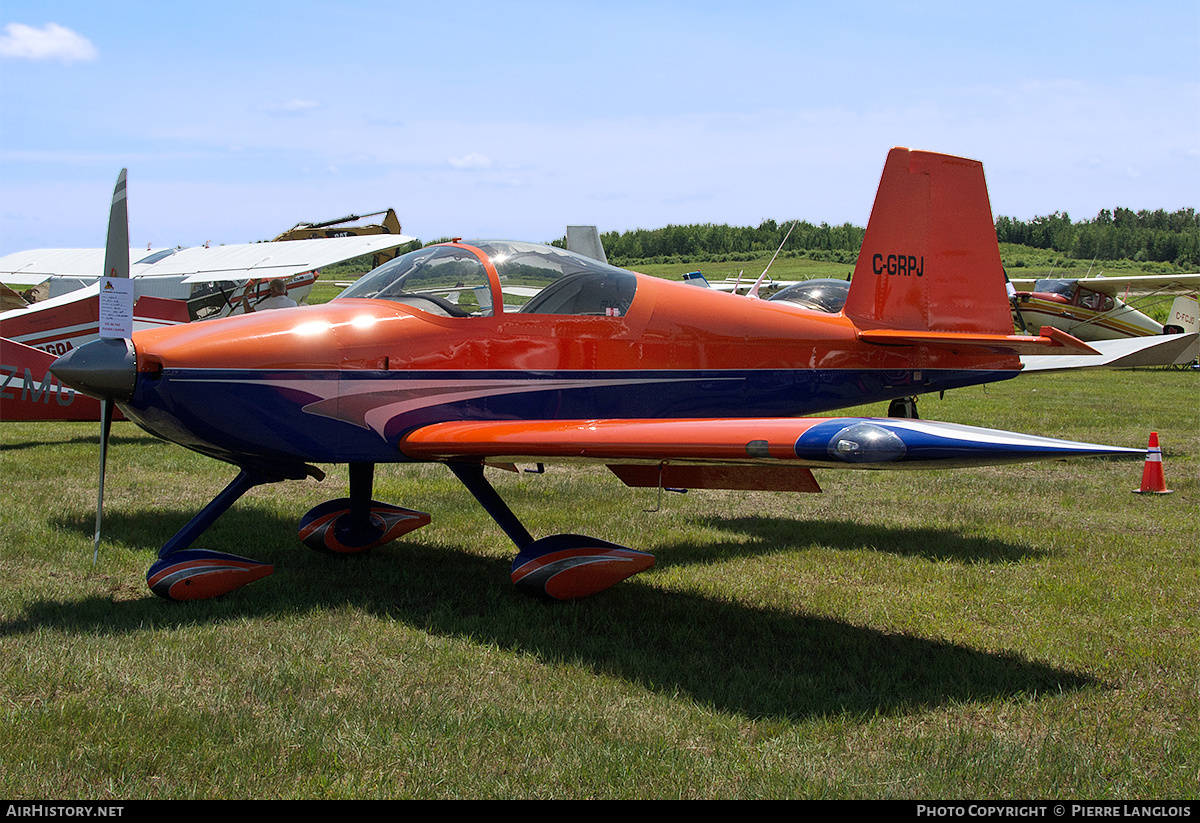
[[1017, 632]]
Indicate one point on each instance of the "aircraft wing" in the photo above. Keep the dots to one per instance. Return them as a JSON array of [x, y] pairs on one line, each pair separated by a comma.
[[1134, 286], [283, 258], [33, 267], [732, 284], [773, 449], [1125, 353], [520, 291]]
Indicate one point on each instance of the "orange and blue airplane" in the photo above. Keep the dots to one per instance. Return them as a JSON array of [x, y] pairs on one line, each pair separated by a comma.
[[466, 353]]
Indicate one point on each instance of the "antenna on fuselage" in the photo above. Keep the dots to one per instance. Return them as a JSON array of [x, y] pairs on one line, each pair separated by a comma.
[[753, 293]]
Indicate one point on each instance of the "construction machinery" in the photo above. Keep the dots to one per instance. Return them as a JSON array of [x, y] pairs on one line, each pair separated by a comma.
[[340, 228]]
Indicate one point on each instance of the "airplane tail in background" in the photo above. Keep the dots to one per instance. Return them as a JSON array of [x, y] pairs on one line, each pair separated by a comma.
[[929, 272], [28, 391], [1184, 316], [585, 240]]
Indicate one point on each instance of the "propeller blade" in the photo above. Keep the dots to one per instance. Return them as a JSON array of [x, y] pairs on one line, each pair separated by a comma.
[[106, 416], [116, 249], [116, 320]]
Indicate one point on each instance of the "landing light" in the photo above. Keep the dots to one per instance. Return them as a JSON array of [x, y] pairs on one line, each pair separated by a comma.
[[866, 443]]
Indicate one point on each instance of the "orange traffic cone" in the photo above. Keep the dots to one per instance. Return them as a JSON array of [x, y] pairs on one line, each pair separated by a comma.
[[1153, 481]]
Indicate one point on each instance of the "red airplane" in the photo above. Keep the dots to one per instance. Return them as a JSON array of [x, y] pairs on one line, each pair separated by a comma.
[[28, 391], [466, 353], [172, 286]]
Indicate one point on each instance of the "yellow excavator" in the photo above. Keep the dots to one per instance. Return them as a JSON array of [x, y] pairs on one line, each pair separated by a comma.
[[339, 228]]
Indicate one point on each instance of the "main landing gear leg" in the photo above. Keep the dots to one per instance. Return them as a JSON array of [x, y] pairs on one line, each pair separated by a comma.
[[182, 573], [354, 524], [558, 567]]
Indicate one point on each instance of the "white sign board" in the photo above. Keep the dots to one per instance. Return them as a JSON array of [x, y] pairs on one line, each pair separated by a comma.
[[116, 307]]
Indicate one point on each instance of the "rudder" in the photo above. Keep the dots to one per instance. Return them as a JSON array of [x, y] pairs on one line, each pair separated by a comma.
[[929, 258]]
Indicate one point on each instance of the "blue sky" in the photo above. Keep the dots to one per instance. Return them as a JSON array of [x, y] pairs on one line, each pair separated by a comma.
[[515, 119]]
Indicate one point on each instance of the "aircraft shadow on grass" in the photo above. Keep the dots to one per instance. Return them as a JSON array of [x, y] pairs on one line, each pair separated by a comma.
[[944, 544], [755, 662], [132, 439]]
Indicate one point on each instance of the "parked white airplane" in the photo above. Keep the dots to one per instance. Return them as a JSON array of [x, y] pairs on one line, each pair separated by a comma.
[[170, 286], [1103, 308], [201, 282]]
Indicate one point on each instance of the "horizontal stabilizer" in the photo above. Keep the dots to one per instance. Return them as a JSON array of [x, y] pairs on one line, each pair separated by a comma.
[[1048, 338], [28, 268]]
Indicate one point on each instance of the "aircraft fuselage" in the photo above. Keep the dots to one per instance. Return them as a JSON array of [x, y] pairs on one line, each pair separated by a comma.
[[344, 381]]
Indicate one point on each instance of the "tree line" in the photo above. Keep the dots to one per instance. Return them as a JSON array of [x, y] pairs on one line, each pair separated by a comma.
[[1122, 234], [709, 242], [1144, 236]]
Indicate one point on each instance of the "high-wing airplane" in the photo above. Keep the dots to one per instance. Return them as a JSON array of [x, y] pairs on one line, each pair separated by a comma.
[[423, 360], [1099, 308], [61, 277], [210, 281], [171, 286]]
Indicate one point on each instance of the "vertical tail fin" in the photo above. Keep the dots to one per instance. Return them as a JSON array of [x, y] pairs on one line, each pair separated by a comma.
[[1184, 315], [28, 391], [929, 259], [586, 240]]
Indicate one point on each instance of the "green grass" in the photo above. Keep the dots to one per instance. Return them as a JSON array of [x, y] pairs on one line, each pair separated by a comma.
[[1026, 631], [784, 268]]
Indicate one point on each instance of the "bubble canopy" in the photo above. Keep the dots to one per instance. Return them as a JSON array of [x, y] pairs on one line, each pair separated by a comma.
[[821, 294], [478, 278]]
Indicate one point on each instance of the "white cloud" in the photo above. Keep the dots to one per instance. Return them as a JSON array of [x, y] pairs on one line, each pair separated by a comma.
[[290, 107], [471, 160], [51, 42]]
